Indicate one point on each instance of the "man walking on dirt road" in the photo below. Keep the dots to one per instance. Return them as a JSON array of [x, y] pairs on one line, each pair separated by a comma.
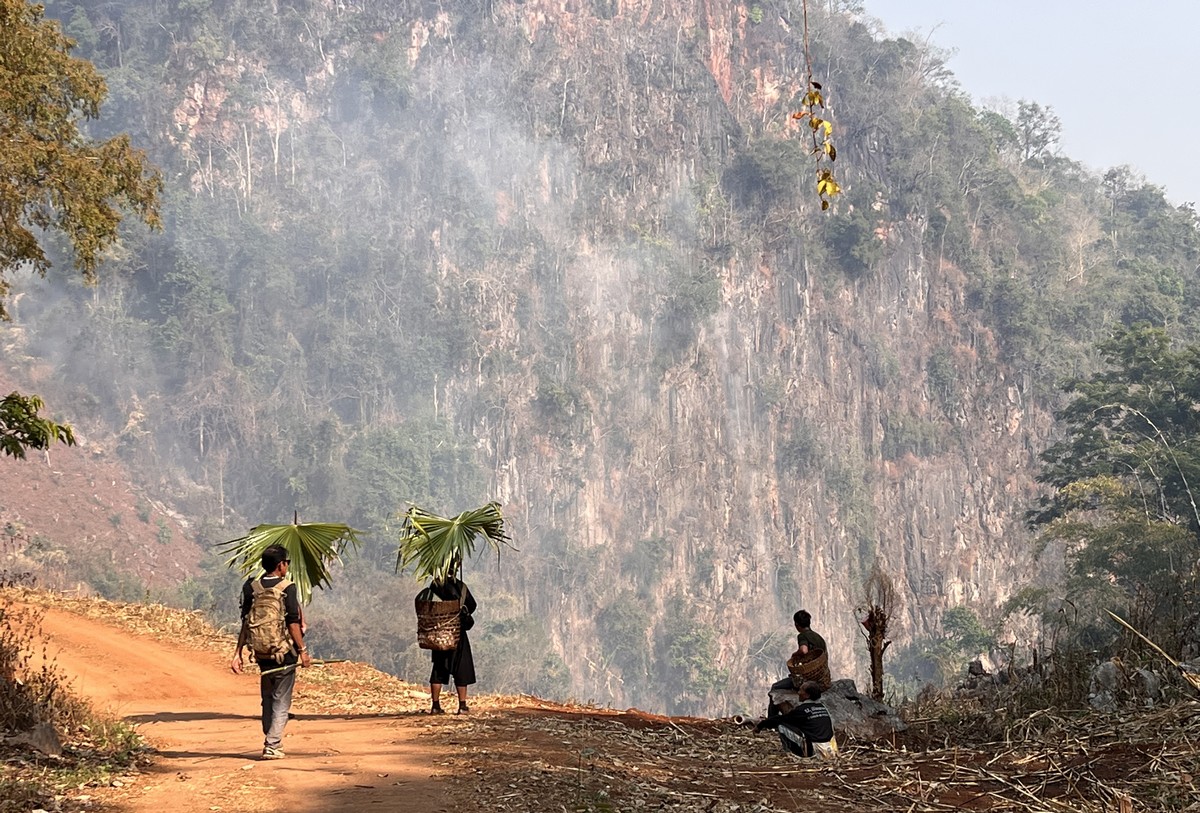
[[271, 628]]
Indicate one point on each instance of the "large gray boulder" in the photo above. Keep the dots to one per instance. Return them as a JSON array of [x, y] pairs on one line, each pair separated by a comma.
[[854, 714], [1113, 683]]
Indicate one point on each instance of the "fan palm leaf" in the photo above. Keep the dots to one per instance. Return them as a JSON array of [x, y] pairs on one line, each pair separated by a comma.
[[431, 544], [311, 546]]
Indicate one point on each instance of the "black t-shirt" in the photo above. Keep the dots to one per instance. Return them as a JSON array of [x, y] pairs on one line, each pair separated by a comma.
[[814, 641], [810, 718]]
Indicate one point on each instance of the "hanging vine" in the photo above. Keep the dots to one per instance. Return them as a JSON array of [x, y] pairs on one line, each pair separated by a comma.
[[821, 129]]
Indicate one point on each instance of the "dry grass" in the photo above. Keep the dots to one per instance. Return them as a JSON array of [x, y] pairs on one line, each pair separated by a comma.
[[519, 753], [78, 749], [564, 759], [188, 629]]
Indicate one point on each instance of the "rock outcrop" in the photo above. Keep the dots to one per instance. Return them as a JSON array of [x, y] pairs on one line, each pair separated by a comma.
[[854, 714]]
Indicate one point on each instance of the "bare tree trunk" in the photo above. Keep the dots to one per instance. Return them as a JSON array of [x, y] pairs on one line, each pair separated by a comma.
[[876, 624]]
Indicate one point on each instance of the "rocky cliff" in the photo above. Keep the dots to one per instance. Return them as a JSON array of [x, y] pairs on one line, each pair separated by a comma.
[[762, 456]]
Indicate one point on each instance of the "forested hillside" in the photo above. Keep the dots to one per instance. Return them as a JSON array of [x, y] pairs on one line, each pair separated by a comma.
[[570, 257]]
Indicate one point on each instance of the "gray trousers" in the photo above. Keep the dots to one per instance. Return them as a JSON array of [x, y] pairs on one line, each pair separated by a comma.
[[276, 702]]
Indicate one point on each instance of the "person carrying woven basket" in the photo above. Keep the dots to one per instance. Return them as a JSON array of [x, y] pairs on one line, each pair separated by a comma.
[[457, 663], [810, 661]]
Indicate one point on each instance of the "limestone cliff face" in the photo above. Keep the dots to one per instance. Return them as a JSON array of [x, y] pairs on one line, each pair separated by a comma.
[[759, 451], [697, 463]]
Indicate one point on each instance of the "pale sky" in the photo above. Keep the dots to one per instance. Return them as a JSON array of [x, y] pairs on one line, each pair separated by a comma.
[[1120, 76]]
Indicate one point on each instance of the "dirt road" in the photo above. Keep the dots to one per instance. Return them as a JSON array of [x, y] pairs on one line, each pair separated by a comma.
[[204, 721], [521, 754]]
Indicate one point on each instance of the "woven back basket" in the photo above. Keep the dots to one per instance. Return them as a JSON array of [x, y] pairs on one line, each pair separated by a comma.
[[814, 666], [438, 625]]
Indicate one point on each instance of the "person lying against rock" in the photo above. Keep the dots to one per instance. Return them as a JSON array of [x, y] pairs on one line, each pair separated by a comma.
[[806, 730]]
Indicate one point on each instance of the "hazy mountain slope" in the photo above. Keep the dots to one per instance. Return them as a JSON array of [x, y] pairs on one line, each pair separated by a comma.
[[570, 257]]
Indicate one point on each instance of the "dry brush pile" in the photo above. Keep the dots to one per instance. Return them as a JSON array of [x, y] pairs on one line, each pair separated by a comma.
[[571, 760]]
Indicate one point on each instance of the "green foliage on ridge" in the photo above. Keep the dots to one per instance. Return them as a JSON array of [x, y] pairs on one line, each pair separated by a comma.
[[1123, 506]]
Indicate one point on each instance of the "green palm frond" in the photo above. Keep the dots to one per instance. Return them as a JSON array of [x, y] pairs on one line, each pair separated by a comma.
[[311, 546], [431, 544]]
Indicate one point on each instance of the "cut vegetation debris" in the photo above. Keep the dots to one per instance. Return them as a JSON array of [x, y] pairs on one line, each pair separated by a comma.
[[519, 753]]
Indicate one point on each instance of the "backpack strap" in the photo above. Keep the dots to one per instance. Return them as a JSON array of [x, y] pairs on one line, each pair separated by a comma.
[[257, 585]]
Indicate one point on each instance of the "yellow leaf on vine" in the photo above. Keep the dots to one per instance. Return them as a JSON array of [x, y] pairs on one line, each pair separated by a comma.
[[826, 185]]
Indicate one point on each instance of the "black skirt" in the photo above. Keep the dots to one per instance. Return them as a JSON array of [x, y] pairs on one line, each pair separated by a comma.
[[454, 663]]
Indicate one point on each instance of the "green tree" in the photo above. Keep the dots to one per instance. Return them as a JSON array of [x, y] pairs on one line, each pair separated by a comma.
[[686, 656], [769, 170], [853, 237], [1038, 131], [941, 658], [21, 427], [516, 655], [622, 627], [1122, 506], [965, 632], [55, 178]]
